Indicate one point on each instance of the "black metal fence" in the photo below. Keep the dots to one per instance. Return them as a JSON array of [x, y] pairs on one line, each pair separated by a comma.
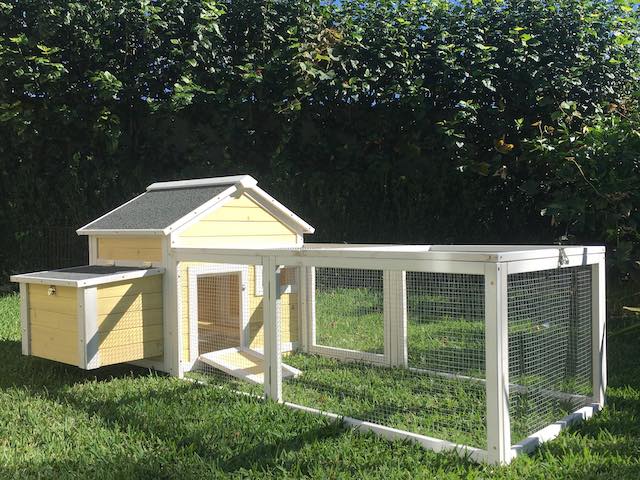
[[42, 249]]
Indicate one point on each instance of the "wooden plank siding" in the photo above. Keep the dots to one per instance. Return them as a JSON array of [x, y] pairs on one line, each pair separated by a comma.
[[129, 317], [239, 222], [53, 323], [130, 248]]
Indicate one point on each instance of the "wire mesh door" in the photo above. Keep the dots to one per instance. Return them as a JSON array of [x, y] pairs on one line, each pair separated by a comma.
[[221, 319], [550, 346]]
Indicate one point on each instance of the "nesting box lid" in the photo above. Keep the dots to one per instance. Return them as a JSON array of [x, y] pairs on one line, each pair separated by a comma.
[[86, 275]]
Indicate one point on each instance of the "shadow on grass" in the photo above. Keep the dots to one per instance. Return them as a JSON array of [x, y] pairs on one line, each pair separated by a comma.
[[204, 431], [229, 431]]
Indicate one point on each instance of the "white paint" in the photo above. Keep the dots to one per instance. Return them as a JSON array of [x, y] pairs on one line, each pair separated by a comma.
[[598, 334], [25, 326], [497, 365], [550, 432], [90, 282], [81, 327], [395, 317], [92, 339], [244, 180], [272, 346], [395, 434]]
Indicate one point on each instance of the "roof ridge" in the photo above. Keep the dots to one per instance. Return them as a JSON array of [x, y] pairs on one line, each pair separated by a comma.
[[246, 181]]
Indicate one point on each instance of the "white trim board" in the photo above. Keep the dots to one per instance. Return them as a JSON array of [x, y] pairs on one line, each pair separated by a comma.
[[90, 282], [244, 180]]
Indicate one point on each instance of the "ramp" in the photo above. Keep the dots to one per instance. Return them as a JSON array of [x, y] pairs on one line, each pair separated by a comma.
[[244, 364]]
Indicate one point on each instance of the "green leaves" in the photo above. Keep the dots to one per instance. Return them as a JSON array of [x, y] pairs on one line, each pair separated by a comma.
[[480, 101], [107, 84]]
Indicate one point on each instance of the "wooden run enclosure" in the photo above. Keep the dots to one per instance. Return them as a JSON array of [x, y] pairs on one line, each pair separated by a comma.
[[486, 350]]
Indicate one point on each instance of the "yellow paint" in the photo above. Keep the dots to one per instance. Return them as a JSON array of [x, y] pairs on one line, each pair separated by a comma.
[[143, 285], [239, 222], [135, 319], [133, 248], [129, 303], [130, 320], [130, 353], [129, 336], [54, 323]]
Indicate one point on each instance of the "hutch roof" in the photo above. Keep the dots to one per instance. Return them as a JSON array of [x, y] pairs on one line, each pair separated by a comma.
[[165, 206]]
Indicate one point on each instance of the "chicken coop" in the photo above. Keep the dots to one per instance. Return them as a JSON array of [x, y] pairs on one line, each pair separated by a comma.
[[487, 350]]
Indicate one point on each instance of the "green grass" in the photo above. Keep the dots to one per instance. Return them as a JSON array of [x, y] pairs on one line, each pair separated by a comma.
[[57, 422]]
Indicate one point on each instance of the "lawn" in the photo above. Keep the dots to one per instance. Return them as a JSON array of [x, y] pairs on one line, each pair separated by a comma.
[[57, 421]]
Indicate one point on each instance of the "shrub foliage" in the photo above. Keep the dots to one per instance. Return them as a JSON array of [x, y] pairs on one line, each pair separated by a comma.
[[416, 121]]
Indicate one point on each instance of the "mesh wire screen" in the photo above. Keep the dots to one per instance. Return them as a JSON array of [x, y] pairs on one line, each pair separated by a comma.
[[550, 361], [350, 372], [446, 322], [349, 309]]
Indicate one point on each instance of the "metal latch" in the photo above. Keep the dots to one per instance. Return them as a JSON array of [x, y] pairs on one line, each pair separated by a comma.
[[563, 259]]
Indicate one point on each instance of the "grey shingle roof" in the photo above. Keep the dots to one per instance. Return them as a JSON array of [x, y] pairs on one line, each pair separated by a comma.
[[157, 209]]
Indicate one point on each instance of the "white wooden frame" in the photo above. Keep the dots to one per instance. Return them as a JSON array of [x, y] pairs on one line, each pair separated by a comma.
[[494, 263], [215, 269], [25, 324]]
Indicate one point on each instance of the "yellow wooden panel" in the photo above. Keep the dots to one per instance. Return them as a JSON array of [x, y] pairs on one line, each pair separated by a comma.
[[129, 336], [141, 301], [129, 316], [58, 321], [130, 287], [129, 353], [38, 290], [259, 241], [63, 303], [236, 229], [240, 217], [54, 344], [129, 319], [143, 248], [231, 212]]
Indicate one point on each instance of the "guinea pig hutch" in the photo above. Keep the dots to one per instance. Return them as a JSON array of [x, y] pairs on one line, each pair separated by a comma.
[[487, 350]]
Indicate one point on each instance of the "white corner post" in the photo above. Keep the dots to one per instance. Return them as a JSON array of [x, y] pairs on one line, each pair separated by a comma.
[[93, 249], [310, 273], [497, 364], [172, 347], [303, 317], [89, 298], [272, 345], [395, 317], [24, 318], [598, 333]]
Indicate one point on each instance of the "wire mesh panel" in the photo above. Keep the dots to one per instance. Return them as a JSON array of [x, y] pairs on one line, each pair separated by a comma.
[[445, 341], [550, 363], [446, 322], [349, 309], [349, 371]]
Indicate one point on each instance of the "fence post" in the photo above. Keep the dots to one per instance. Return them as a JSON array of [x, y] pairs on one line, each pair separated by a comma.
[[272, 344], [394, 286], [172, 313], [598, 336], [497, 364]]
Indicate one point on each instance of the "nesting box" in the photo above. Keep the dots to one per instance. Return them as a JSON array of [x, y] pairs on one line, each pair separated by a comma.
[[92, 316]]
